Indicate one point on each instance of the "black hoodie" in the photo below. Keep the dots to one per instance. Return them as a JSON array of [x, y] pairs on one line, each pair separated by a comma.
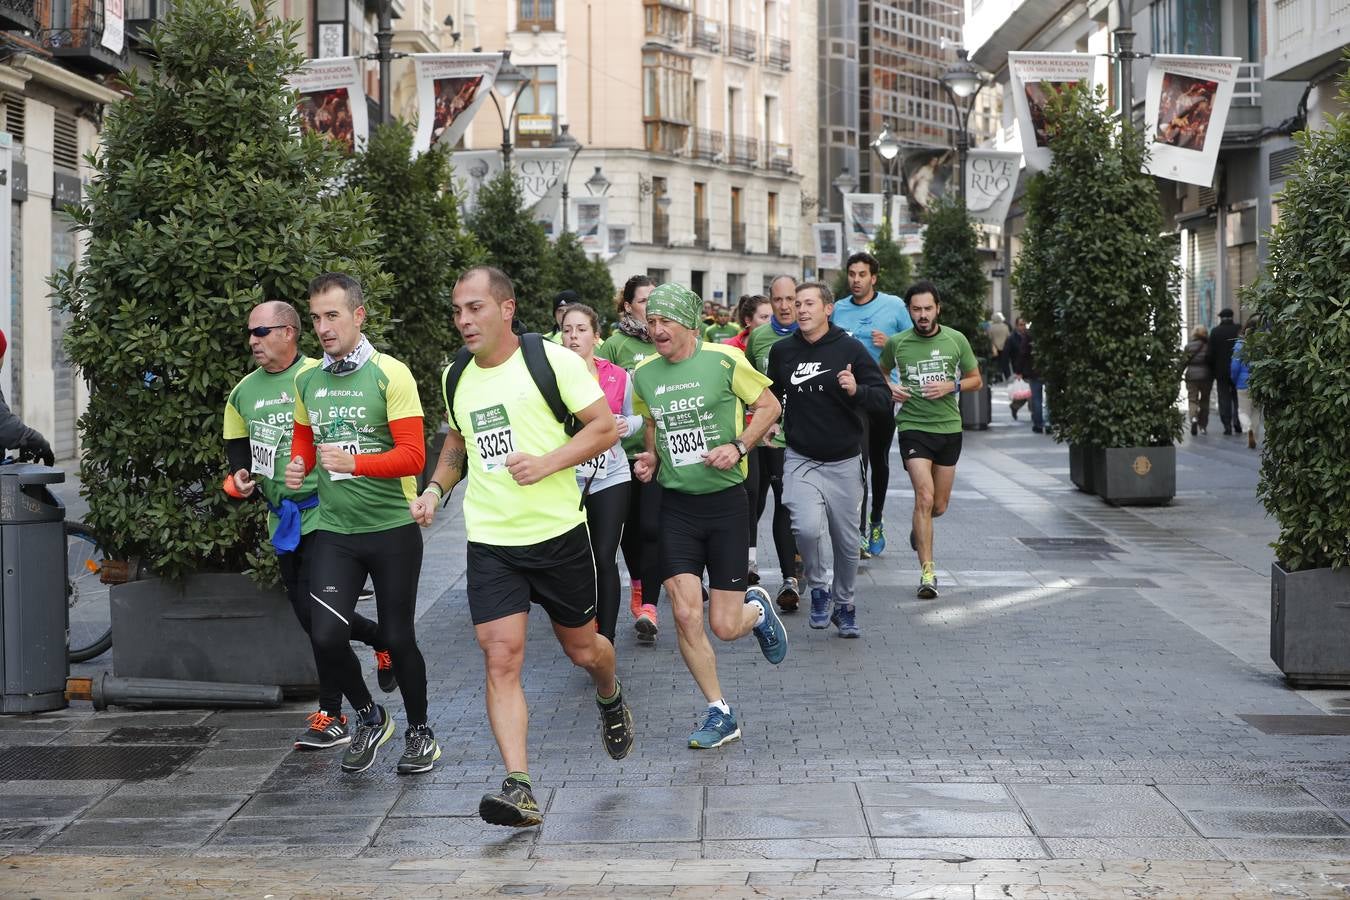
[[820, 420]]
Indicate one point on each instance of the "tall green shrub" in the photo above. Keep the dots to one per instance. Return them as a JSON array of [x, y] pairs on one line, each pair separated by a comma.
[[1301, 357], [515, 243], [572, 268], [416, 215], [1097, 281], [205, 202], [951, 260]]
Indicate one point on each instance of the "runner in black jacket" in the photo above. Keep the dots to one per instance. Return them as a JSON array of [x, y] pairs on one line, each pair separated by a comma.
[[826, 381]]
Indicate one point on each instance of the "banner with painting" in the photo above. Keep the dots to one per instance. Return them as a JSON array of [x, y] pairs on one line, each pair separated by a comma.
[[991, 181], [1185, 108], [450, 89], [332, 100], [930, 174], [1033, 79], [114, 27], [538, 171], [862, 218], [829, 241]]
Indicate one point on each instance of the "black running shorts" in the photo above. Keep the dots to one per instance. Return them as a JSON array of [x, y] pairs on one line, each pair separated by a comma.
[[709, 531], [558, 574], [942, 449]]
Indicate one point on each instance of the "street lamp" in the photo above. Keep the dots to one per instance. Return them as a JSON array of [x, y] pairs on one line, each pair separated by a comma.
[[888, 148], [962, 81], [565, 141], [507, 85], [844, 182], [597, 184]]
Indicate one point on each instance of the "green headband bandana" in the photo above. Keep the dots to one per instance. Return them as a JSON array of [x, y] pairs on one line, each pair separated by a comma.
[[675, 302]]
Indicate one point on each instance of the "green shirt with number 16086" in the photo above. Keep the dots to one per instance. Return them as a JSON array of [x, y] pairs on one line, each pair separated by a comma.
[[943, 357]]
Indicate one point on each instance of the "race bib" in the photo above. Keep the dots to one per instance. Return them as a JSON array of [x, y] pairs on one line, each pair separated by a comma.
[[492, 435], [596, 467], [346, 437], [262, 445], [687, 446]]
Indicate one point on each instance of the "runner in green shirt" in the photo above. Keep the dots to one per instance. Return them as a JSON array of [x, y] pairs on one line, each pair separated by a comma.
[[935, 364], [694, 396], [722, 327]]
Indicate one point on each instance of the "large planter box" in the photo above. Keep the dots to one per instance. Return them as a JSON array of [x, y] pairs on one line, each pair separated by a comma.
[[1309, 621], [212, 627], [1080, 467], [1135, 476], [976, 408]]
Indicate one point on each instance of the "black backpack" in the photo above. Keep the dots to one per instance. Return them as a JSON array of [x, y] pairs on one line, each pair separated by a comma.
[[536, 360]]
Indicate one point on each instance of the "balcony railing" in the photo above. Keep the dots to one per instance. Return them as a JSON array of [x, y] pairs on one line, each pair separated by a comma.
[[744, 151], [780, 157], [778, 53], [660, 228], [775, 242], [22, 15], [666, 20], [707, 144], [742, 42], [75, 39], [706, 34], [701, 233], [1247, 89], [738, 236]]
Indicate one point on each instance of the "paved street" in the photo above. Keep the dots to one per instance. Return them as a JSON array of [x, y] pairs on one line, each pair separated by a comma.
[[1063, 711]]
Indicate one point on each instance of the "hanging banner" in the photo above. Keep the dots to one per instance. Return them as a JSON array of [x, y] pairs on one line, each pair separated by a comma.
[[1034, 78], [991, 181], [114, 27], [539, 172], [332, 100], [450, 88], [862, 217], [829, 240], [588, 220], [1185, 109], [930, 174]]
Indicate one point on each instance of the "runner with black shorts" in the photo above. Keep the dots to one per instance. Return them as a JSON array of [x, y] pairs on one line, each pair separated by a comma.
[[358, 423], [935, 364], [694, 396], [525, 522]]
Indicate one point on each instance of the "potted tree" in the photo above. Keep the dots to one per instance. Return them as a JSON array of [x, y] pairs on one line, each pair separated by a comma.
[[951, 260], [206, 201], [1300, 362], [1097, 281]]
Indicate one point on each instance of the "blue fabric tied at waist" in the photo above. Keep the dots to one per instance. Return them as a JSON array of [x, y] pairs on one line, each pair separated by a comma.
[[287, 537]]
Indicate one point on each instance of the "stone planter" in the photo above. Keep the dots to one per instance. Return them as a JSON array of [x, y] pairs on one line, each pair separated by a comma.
[[1309, 619], [1135, 476], [212, 627], [1080, 467], [976, 408]]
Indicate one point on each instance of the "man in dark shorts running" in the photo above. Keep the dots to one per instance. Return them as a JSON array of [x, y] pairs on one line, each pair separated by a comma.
[[935, 364]]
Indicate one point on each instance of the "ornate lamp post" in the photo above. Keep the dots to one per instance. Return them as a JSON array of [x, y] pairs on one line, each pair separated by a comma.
[[507, 86], [962, 81], [888, 148], [566, 141]]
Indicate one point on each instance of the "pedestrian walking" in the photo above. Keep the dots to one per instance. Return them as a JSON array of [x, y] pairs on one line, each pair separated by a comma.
[[1025, 368], [1199, 379], [998, 340], [1219, 355], [827, 382], [15, 435], [1241, 372]]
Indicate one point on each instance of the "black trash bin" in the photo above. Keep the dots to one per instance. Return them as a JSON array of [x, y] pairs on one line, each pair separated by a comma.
[[33, 611]]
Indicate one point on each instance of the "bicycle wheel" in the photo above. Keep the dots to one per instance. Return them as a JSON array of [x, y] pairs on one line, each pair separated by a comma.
[[90, 633]]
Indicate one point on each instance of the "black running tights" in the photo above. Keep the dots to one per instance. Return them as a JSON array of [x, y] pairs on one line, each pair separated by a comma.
[[878, 435], [605, 514], [339, 564], [765, 472], [642, 537]]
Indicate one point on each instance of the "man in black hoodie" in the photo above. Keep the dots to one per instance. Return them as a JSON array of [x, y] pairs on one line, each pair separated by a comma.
[[1220, 356], [826, 381]]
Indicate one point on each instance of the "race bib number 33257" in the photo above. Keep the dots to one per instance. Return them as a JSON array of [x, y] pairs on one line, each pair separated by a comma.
[[492, 436]]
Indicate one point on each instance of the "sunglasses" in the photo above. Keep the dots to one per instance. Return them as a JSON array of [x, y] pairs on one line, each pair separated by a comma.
[[264, 330]]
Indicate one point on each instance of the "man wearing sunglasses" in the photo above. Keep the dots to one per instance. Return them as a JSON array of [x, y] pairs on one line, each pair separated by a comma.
[[258, 424]]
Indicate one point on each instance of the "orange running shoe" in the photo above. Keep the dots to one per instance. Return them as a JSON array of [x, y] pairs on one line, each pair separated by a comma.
[[635, 600], [646, 624]]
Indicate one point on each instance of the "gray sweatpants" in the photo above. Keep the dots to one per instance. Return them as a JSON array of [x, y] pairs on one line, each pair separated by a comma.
[[824, 499]]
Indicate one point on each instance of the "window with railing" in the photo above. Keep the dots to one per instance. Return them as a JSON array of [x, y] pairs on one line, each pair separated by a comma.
[[778, 53], [780, 157], [667, 92], [742, 42], [744, 151], [707, 144], [532, 14], [706, 34], [666, 20]]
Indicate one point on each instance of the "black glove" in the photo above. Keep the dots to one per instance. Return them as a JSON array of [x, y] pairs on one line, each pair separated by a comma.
[[35, 447]]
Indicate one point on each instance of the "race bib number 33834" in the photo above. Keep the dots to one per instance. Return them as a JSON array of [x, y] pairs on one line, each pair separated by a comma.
[[492, 436]]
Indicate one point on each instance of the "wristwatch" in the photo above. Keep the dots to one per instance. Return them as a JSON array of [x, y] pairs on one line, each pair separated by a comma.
[[957, 382], [740, 447]]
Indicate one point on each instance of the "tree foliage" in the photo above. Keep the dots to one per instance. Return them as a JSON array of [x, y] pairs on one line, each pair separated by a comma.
[[206, 201], [570, 267], [951, 260], [416, 214], [1097, 281], [515, 243], [1301, 357]]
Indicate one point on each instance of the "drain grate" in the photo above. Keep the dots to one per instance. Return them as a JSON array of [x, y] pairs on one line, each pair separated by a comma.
[[1075, 548], [194, 735], [91, 763], [1299, 725]]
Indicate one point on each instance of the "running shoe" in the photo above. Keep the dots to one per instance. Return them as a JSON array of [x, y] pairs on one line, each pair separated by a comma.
[[646, 623], [635, 600], [384, 671], [789, 596], [770, 633], [718, 728], [420, 750], [845, 618], [820, 608], [513, 807], [367, 742], [616, 726], [324, 731], [928, 583], [876, 539], [863, 552]]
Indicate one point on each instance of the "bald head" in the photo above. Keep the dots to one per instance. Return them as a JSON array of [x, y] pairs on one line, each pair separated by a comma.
[[279, 312]]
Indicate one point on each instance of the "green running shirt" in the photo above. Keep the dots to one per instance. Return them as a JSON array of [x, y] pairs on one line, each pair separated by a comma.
[[262, 408], [355, 411], [697, 404], [715, 334], [500, 411], [757, 348], [918, 360]]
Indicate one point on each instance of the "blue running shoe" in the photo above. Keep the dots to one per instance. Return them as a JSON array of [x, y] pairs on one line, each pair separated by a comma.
[[718, 728], [770, 633], [820, 608], [876, 539], [845, 619]]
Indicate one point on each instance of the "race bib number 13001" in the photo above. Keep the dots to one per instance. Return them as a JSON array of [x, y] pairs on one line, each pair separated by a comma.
[[492, 436]]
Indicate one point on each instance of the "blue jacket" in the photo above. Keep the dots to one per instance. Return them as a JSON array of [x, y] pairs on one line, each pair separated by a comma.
[[1238, 369]]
